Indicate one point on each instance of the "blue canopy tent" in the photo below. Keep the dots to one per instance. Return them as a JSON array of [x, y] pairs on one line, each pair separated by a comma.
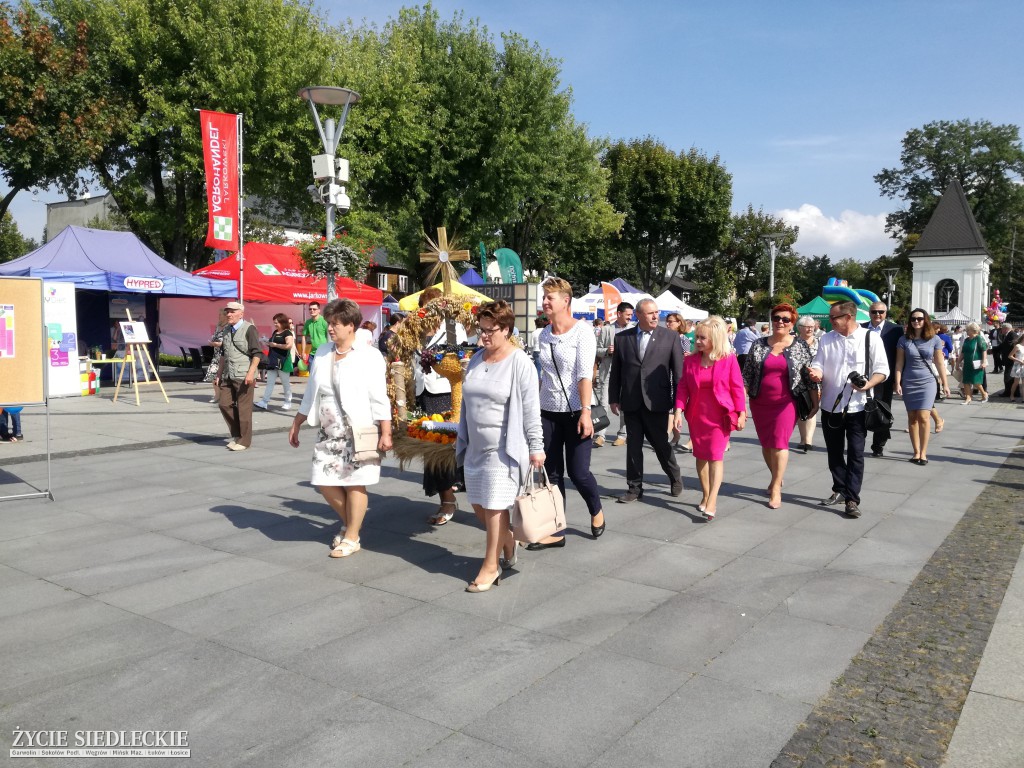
[[99, 263], [621, 285], [471, 277]]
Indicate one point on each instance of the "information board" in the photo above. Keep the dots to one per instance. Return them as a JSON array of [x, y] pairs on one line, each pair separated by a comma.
[[23, 352]]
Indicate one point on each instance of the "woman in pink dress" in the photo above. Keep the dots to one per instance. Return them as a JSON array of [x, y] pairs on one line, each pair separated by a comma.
[[710, 394], [775, 375]]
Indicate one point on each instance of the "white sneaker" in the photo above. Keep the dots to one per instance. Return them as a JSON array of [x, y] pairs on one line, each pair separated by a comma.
[[286, 407], [261, 405], [237, 447]]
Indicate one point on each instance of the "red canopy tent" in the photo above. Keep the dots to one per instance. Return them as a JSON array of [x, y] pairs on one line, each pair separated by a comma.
[[274, 273]]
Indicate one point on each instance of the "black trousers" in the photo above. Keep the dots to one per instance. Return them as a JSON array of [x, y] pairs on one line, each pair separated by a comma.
[[654, 426], [844, 440]]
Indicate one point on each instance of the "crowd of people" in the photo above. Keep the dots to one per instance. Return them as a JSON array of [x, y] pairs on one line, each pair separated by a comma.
[[529, 409]]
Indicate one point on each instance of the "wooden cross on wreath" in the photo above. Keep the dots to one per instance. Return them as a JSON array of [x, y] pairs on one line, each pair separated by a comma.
[[442, 255]]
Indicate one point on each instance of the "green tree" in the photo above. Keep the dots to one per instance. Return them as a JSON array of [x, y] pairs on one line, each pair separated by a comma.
[[53, 120], [674, 205], [742, 267], [811, 275], [987, 160], [164, 58], [457, 131], [12, 243]]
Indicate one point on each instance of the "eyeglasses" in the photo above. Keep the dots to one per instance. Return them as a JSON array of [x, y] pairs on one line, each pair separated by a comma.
[[838, 317], [487, 331], [877, 311], [806, 327], [917, 319], [781, 319]]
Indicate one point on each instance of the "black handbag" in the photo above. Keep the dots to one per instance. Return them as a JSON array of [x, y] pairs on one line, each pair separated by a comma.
[[599, 418], [877, 415], [804, 404]]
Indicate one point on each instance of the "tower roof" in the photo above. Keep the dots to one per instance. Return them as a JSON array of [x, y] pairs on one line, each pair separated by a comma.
[[952, 229]]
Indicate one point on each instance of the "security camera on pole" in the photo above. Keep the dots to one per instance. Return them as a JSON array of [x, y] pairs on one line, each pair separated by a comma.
[[330, 173]]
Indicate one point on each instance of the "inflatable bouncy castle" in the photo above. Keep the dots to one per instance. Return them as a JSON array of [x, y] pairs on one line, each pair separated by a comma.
[[836, 290]]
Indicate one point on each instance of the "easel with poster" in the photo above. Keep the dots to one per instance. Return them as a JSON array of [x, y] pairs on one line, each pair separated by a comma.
[[136, 337]]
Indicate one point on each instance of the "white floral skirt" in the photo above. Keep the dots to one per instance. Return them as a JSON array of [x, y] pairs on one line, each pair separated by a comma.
[[332, 453]]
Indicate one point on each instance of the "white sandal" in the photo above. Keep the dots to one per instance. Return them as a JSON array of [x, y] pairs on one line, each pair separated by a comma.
[[345, 548], [441, 517]]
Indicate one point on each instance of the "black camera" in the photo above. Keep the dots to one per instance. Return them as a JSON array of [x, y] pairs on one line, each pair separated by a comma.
[[857, 379]]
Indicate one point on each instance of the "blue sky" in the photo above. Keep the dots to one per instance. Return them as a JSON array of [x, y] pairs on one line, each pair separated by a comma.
[[803, 101]]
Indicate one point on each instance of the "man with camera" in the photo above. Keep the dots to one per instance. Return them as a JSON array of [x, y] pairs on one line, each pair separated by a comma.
[[850, 361]]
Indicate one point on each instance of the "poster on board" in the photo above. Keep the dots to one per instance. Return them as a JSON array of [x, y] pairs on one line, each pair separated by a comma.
[[7, 330], [135, 333], [59, 315]]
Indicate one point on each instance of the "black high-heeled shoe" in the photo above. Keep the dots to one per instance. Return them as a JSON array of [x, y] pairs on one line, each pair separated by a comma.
[[552, 545], [597, 530]]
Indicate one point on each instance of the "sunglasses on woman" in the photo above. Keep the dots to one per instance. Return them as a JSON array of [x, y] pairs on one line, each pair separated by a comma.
[[781, 319]]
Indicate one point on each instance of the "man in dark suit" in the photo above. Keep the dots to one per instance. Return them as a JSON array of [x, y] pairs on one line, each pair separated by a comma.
[[890, 333], [646, 365]]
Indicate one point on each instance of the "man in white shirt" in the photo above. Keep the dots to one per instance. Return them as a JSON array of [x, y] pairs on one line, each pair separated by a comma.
[[841, 352]]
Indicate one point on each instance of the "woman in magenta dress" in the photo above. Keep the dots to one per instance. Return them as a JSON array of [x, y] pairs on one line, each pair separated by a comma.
[[775, 375], [710, 395]]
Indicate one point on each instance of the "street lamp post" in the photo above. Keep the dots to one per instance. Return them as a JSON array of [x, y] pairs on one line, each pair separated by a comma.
[[773, 239], [890, 281], [330, 173]]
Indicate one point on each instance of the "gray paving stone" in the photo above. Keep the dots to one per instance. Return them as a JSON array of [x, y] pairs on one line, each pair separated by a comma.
[[35, 554], [886, 560], [426, 582], [207, 616], [296, 630], [845, 600], [533, 582], [592, 611], [152, 596], [42, 521], [460, 749], [729, 535], [684, 633], [673, 566], [756, 584], [791, 657], [481, 673], [358, 732], [709, 723], [900, 529], [56, 661], [11, 576], [1001, 671], [580, 710], [596, 557], [986, 736], [397, 647], [665, 524], [802, 547], [108, 576], [55, 622], [28, 596]]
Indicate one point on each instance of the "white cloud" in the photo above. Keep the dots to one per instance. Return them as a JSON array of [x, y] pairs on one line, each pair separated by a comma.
[[853, 235]]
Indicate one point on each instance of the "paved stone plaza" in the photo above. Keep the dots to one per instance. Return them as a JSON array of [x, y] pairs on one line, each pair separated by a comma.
[[175, 585]]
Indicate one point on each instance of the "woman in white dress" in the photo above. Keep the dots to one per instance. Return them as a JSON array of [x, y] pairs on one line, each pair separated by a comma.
[[500, 439], [355, 374]]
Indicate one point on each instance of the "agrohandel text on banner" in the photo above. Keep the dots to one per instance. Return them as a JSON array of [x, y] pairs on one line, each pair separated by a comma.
[[220, 156]]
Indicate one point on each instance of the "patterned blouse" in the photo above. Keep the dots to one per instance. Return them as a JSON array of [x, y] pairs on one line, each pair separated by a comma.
[[798, 356], [574, 353]]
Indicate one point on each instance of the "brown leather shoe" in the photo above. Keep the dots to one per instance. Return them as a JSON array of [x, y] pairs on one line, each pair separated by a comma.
[[630, 496], [619, 441]]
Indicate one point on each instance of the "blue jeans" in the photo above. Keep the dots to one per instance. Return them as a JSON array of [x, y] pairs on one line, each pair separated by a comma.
[[563, 446], [14, 430]]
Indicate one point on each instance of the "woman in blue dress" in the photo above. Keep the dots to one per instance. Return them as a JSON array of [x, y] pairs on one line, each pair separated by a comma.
[[920, 371]]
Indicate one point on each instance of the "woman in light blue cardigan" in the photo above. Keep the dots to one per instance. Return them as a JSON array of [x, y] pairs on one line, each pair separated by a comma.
[[500, 435]]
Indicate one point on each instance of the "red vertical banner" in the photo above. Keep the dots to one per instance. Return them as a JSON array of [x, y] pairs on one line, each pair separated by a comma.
[[220, 156], [612, 299]]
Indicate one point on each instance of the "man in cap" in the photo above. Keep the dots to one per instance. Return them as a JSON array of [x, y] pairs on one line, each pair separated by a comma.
[[236, 376]]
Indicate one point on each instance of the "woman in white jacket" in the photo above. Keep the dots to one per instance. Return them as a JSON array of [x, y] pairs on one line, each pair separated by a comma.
[[355, 375]]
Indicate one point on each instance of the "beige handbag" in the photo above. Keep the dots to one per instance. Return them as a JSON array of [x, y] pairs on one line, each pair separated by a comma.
[[538, 511]]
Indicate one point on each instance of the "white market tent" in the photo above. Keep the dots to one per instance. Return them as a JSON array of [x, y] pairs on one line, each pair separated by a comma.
[[668, 302], [955, 316]]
